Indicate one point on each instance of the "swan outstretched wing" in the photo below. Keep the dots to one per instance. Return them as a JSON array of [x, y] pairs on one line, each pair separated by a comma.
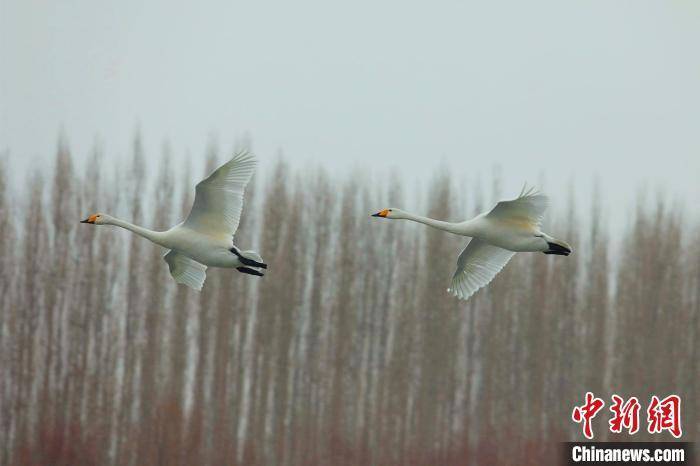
[[218, 201], [529, 207], [476, 267], [185, 270]]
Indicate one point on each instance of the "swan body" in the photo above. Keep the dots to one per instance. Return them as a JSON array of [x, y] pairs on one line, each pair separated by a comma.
[[511, 226], [205, 238]]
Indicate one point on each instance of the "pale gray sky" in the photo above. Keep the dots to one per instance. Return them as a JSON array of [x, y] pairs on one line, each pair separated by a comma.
[[562, 88]]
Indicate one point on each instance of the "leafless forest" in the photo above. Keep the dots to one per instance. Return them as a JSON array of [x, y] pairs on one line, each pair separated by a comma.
[[349, 352]]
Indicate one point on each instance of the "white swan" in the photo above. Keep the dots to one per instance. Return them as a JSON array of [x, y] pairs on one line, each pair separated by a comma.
[[206, 237], [510, 227]]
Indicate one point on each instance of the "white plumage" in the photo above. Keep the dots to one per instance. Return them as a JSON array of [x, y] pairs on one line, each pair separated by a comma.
[[478, 263], [205, 238], [218, 201], [510, 227], [185, 270]]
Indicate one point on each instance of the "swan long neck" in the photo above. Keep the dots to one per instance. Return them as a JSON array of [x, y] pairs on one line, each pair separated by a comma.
[[439, 224], [155, 236]]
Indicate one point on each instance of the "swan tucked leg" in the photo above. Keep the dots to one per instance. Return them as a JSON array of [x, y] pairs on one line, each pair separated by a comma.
[[249, 258], [250, 271], [556, 246]]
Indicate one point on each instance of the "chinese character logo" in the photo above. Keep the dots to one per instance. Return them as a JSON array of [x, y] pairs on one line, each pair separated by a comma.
[[587, 412], [662, 415], [665, 415], [625, 415]]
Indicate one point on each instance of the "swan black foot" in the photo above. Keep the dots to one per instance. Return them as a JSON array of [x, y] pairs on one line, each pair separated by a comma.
[[250, 271], [557, 249], [252, 263], [246, 261]]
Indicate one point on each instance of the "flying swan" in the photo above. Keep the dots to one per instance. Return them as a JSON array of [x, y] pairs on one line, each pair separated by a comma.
[[205, 239], [510, 227]]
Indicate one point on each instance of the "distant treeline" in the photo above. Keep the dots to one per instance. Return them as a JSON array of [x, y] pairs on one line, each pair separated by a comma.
[[349, 351]]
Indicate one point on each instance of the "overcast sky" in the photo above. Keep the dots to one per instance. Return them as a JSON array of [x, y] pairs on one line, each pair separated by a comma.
[[567, 89]]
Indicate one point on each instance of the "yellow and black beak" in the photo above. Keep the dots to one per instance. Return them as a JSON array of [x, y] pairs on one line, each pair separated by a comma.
[[90, 219], [384, 213]]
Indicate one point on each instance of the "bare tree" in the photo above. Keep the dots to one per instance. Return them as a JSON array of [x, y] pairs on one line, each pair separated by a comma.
[[348, 351]]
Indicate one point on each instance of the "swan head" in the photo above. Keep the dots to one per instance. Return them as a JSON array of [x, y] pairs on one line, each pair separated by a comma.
[[391, 213], [97, 219]]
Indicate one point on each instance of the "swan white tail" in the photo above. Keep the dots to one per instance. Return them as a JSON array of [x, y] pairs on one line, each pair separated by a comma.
[[252, 255]]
